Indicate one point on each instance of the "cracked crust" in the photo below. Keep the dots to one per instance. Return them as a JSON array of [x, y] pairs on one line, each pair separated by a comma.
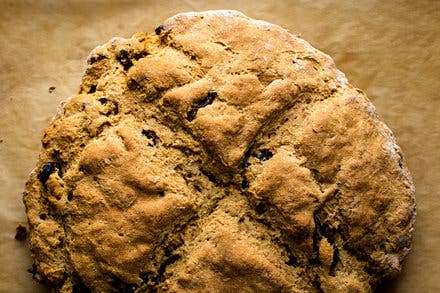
[[220, 154]]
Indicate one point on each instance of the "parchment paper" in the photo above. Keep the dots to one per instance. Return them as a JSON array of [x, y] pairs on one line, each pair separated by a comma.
[[390, 49]]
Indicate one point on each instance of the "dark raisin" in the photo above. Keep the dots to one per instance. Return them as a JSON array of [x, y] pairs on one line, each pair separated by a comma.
[[131, 288], [20, 232], [167, 250], [116, 107], [400, 162], [51, 89], [104, 100], [208, 100], [292, 261], [191, 114], [48, 169], [144, 276], [124, 287], [210, 97], [158, 30], [92, 89], [137, 56], [124, 59], [264, 155], [96, 58], [245, 164], [150, 134], [260, 208], [33, 270], [211, 177]]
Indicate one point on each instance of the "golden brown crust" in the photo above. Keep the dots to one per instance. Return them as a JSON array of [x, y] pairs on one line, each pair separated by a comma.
[[219, 154]]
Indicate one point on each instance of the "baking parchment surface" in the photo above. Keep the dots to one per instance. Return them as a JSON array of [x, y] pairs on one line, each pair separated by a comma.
[[389, 49]]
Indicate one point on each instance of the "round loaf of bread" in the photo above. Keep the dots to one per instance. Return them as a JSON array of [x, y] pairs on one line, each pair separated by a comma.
[[217, 154]]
